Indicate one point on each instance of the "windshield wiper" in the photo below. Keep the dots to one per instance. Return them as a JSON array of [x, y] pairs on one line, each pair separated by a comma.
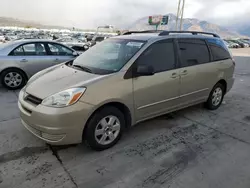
[[83, 68]]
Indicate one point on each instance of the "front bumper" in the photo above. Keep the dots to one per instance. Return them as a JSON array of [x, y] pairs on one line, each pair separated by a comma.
[[56, 126]]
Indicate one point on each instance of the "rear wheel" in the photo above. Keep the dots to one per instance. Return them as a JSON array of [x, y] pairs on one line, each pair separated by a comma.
[[216, 97], [105, 128], [13, 79]]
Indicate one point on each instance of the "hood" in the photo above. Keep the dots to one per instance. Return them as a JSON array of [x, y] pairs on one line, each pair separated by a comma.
[[59, 79]]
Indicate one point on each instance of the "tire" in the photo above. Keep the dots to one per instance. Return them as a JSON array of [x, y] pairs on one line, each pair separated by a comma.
[[214, 100], [96, 131], [19, 79]]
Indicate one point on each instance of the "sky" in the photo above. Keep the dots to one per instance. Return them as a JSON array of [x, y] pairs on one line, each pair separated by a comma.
[[93, 13]]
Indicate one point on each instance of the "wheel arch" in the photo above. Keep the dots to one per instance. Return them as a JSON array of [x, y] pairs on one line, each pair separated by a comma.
[[224, 83], [121, 106], [16, 68]]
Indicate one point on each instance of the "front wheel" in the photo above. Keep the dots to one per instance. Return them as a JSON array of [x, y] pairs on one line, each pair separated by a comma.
[[105, 128], [13, 79], [216, 97]]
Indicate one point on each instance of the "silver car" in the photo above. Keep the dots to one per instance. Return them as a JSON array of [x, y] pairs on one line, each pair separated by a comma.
[[21, 59]]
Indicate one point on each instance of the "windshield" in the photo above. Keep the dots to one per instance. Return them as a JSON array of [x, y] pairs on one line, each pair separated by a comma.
[[109, 56]]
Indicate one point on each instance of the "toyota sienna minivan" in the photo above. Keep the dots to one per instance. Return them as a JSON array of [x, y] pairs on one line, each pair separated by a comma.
[[125, 80]]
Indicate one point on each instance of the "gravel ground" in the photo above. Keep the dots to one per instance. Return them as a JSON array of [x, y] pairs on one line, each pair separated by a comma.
[[192, 148]]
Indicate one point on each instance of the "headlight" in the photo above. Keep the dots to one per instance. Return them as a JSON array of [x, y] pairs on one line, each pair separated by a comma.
[[64, 98]]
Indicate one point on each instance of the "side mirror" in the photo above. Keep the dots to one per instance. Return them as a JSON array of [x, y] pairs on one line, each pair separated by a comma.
[[75, 53], [144, 70]]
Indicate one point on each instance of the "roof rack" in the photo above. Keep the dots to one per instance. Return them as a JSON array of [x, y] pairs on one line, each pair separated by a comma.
[[191, 32], [163, 32], [146, 31]]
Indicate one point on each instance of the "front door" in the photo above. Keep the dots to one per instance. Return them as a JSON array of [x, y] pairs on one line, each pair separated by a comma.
[[158, 93], [59, 53]]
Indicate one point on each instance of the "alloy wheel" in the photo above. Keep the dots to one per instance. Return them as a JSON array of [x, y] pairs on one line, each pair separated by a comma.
[[107, 130]]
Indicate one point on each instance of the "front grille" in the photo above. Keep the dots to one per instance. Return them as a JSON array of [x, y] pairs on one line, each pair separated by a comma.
[[33, 99]]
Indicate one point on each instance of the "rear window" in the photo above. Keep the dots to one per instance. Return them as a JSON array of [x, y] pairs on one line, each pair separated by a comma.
[[218, 49]]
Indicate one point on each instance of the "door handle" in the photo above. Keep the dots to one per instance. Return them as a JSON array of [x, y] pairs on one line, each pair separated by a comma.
[[174, 75], [56, 59], [24, 60], [184, 72]]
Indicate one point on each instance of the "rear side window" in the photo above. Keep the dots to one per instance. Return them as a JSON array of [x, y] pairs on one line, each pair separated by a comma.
[[160, 55], [193, 52], [218, 49], [18, 51]]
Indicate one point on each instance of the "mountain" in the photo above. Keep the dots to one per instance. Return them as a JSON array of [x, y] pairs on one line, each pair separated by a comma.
[[189, 24], [242, 28], [5, 21], [245, 30]]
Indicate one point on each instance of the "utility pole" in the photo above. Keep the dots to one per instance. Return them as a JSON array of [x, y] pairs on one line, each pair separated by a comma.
[[179, 15]]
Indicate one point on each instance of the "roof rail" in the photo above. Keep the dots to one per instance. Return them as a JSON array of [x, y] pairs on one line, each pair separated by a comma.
[[191, 32], [146, 31]]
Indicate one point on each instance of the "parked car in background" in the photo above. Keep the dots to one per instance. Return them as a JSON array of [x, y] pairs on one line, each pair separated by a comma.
[[2, 39], [246, 44], [247, 40], [122, 81], [74, 43], [10, 37], [233, 44], [89, 37], [21, 59], [244, 41], [241, 44], [96, 39]]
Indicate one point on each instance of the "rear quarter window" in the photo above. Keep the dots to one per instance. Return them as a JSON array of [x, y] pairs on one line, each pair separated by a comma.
[[218, 49]]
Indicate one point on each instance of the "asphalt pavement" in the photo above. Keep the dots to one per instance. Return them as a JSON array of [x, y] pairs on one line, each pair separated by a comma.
[[191, 148]]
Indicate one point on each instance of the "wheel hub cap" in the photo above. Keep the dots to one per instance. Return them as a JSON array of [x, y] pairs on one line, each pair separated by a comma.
[[107, 130], [13, 79], [217, 96]]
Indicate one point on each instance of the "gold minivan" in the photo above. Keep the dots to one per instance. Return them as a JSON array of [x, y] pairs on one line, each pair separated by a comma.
[[125, 80]]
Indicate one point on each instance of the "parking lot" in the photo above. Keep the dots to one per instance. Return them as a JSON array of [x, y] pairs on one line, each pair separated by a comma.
[[192, 148]]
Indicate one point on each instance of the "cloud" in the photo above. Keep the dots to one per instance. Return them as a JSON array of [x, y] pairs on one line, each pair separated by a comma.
[[224, 12], [91, 13]]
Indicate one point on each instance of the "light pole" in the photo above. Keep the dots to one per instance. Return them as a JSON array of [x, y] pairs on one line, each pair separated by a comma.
[[179, 15]]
